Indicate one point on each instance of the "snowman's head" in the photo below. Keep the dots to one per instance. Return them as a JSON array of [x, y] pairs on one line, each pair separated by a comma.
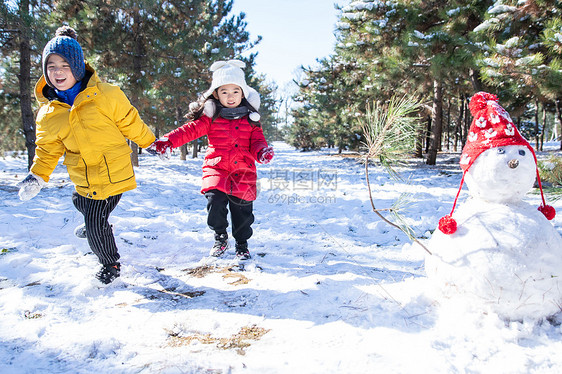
[[502, 174], [499, 164]]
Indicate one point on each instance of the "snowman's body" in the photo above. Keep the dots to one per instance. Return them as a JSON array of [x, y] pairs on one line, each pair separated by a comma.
[[505, 254]]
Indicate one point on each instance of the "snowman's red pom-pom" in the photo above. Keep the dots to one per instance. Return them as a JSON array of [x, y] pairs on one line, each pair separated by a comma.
[[548, 211], [448, 225], [479, 102]]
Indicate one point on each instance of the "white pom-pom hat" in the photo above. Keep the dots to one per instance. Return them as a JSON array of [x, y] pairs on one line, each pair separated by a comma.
[[230, 72]]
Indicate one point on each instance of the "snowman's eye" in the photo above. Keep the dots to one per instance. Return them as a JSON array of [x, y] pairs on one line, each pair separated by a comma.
[[501, 151], [522, 152]]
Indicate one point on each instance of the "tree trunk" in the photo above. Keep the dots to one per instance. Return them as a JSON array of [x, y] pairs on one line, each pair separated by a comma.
[[554, 135], [179, 120], [449, 124], [418, 152], [466, 126], [136, 86], [458, 126], [543, 125], [475, 80], [183, 152], [559, 116], [24, 77], [340, 145], [195, 149], [427, 134], [537, 145], [437, 122]]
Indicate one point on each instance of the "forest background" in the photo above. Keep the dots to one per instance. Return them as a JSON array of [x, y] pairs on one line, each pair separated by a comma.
[[440, 52]]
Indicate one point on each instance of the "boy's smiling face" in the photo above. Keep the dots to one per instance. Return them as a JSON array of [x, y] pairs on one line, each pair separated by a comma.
[[229, 95], [59, 73]]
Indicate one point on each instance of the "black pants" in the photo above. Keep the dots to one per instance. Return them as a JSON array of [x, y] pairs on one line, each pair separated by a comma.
[[240, 213], [98, 230]]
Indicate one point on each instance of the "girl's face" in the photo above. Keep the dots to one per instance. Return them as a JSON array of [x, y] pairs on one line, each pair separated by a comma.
[[229, 95], [59, 73]]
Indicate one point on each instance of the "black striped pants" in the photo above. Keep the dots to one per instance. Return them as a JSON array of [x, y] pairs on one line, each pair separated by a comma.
[[98, 230]]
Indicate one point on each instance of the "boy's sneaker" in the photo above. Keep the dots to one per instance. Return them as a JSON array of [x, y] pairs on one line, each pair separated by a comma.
[[108, 273], [242, 252], [221, 245], [80, 231]]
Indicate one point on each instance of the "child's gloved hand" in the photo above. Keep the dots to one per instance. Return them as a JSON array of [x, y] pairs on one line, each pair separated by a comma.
[[30, 186], [161, 147], [265, 155]]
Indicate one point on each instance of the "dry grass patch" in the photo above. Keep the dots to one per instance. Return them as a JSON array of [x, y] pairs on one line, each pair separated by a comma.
[[229, 272], [239, 341]]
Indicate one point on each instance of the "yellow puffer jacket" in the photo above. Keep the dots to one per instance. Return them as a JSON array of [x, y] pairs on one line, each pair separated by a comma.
[[93, 136]]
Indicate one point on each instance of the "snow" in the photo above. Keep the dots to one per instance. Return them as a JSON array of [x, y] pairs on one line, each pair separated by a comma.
[[380, 23], [501, 8], [330, 287], [352, 16], [454, 12], [486, 25], [526, 61], [343, 25], [419, 34], [491, 62], [356, 6], [512, 42]]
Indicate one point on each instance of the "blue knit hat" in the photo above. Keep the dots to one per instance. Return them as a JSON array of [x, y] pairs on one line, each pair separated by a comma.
[[65, 45]]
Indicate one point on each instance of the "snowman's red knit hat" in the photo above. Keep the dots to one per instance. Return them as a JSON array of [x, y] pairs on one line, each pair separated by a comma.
[[491, 127]]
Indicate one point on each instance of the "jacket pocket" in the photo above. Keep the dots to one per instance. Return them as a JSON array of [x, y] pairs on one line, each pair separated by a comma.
[[77, 169], [118, 164]]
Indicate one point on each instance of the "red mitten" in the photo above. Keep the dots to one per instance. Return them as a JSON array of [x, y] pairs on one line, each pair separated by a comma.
[[161, 147], [265, 155]]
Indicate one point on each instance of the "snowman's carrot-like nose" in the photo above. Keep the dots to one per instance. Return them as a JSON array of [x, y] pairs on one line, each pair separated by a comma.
[[513, 163]]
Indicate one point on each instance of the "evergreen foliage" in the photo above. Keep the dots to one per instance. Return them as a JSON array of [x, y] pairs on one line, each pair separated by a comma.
[[158, 52], [440, 51]]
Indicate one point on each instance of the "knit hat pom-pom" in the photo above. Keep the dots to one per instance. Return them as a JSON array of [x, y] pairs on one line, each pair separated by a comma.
[[480, 101], [448, 225], [548, 211], [67, 31], [220, 64]]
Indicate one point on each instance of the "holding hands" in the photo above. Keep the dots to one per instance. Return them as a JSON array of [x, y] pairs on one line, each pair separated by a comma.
[[161, 147], [265, 155], [30, 186]]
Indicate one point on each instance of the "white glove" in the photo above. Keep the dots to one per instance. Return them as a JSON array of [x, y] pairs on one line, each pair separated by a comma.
[[30, 186]]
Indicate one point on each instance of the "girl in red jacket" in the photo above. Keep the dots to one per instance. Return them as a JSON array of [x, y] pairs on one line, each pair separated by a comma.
[[227, 114]]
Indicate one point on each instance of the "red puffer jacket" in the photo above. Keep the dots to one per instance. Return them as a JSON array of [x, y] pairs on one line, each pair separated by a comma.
[[229, 164]]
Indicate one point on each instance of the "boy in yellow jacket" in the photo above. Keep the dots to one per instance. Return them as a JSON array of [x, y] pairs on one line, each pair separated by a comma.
[[89, 122]]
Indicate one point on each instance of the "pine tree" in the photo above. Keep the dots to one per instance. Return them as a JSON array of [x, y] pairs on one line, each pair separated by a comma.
[[405, 47], [522, 54], [18, 37]]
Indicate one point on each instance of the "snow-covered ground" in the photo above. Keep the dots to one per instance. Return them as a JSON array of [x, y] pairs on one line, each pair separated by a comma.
[[330, 289]]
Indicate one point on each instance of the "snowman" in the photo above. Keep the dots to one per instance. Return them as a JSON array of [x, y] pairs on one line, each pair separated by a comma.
[[497, 251]]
